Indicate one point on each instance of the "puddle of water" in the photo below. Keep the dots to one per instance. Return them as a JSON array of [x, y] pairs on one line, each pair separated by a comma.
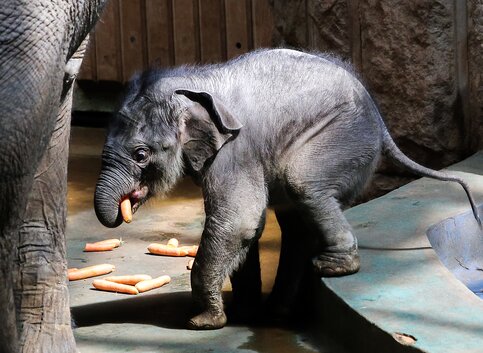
[[277, 340]]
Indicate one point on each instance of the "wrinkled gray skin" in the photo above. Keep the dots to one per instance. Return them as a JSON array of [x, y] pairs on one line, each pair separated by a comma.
[[294, 131], [39, 59]]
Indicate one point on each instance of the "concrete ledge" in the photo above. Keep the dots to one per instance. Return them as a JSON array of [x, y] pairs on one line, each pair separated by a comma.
[[402, 286]]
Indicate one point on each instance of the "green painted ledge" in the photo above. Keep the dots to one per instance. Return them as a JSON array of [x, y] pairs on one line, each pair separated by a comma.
[[402, 286]]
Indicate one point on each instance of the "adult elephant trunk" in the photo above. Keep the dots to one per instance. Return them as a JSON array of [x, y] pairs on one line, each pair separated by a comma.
[[114, 184]]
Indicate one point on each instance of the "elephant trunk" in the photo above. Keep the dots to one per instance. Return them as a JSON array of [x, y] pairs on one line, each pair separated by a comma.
[[112, 186]]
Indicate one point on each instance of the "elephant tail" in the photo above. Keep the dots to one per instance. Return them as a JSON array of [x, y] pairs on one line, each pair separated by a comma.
[[391, 150]]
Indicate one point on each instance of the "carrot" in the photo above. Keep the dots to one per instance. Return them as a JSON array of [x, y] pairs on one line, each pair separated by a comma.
[[69, 270], [126, 210], [91, 271], [161, 249], [191, 250], [189, 266], [173, 242], [99, 247], [103, 245], [144, 286], [117, 242], [129, 279], [102, 284]]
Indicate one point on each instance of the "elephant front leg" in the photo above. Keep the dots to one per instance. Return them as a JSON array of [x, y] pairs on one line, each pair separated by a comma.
[[40, 274], [229, 232], [217, 259], [211, 266]]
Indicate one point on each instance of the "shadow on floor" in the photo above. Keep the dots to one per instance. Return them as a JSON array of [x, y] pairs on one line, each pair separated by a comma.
[[169, 310]]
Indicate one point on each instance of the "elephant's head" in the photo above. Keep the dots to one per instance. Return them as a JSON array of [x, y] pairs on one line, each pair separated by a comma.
[[151, 139]]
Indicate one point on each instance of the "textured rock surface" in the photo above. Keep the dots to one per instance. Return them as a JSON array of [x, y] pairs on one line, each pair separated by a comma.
[[328, 26], [475, 67], [408, 62], [408, 56]]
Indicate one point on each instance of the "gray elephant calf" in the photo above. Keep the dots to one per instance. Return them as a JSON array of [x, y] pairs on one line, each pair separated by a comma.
[[280, 128]]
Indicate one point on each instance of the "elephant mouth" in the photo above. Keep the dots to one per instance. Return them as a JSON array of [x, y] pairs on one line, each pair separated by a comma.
[[136, 198]]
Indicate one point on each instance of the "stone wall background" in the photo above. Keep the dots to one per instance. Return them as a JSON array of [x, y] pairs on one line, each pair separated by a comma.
[[421, 60]]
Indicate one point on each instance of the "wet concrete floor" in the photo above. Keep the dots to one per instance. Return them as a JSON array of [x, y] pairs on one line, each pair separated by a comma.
[[154, 321]]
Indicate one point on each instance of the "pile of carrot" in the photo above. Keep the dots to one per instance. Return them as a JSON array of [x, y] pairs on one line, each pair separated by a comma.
[[129, 284], [133, 284], [104, 245], [172, 248]]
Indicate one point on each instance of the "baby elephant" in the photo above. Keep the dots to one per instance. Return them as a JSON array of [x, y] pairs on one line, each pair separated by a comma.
[[276, 128]]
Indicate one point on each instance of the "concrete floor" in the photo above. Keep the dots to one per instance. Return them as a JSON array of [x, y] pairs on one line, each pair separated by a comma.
[[154, 321]]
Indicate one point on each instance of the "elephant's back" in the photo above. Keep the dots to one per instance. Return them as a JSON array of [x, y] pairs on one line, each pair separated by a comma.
[[285, 91]]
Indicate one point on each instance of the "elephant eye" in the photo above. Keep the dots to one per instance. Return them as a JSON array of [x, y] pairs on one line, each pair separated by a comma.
[[141, 155]]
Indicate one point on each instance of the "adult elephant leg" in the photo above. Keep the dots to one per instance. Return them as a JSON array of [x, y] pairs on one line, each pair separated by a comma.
[[42, 297], [8, 329], [34, 46], [26, 113]]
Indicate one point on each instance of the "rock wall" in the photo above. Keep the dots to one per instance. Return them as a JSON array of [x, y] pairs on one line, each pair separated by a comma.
[[475, 68], [421, 60]]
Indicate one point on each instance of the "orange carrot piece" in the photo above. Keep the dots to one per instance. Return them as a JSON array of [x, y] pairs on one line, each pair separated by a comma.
[[117, 242], [191, 250], [91, 271], [161, 249], [102, 284], [189, 266], [128, 279], [173, 242], [144, 286], [73, 269], [126, 210], [99, 247]]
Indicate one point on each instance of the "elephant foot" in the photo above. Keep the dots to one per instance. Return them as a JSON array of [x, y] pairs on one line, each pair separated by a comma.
[[334, 264], [207, 320]]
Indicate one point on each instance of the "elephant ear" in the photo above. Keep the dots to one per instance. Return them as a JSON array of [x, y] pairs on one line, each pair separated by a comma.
[[208, 126]]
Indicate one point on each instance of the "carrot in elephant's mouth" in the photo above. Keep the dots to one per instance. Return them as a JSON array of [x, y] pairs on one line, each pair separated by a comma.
[[126, 210]]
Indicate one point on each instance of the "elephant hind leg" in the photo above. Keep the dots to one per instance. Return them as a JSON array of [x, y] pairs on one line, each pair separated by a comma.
[[336, 246], [324, 176], [317, 190]]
